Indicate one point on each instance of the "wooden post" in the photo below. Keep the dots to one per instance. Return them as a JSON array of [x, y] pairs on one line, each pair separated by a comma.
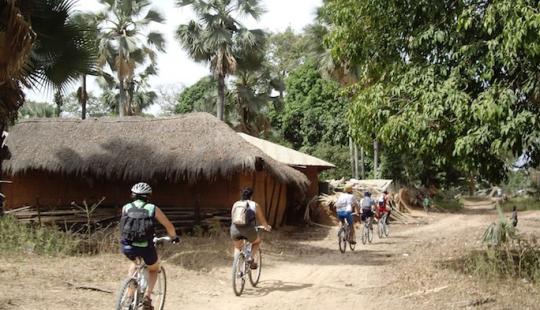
[[38, 211], [275, 222]]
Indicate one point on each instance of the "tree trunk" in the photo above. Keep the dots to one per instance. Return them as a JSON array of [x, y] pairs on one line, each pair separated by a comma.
[[375, 159], [362, 163], [122, 99], [84, 97], [58, 100], [355, 161], [351, 152], [221, 97]]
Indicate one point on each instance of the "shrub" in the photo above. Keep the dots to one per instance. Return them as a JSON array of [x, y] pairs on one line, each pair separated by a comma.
[[15, 237]]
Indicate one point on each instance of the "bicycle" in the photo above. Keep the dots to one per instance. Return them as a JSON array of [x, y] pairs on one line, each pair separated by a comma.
[[367, 232], [382, 228], [131, 294], [345, 236], [242, 267]]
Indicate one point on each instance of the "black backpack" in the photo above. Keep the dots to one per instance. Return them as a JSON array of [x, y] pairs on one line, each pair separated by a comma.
[[137, 224]]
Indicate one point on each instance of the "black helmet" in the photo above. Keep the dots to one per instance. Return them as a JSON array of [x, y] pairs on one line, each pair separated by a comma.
[[367, 194], [246, 193]]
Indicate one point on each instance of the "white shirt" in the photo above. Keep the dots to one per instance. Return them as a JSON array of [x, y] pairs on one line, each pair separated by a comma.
[[345, 202], [366, 203]]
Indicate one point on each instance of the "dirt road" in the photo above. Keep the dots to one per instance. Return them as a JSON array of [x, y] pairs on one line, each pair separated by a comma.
[[302, 269]]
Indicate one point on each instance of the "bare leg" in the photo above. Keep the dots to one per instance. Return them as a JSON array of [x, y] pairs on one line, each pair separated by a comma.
[[153, 271], [255, 248], [237, 246]]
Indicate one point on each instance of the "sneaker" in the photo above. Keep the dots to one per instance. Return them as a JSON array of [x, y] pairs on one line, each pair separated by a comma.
[[253, 265], [147, 303], [352, 242]]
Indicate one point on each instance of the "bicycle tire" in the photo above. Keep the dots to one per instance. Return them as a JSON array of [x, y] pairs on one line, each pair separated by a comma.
[[342, 243], [160, 290], [351, 246], [386, 230], [380, 229], [365, 230], [370, 234], [238, 274], [255, 274], [120, 299]]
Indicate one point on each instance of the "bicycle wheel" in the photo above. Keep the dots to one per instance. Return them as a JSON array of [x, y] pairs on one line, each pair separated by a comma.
[[160, 290], [370, 233], [127, 295], [380, 228], [349, 238], [255, 274], [238, 274], [386, 229], [365, 230], [341, 240]]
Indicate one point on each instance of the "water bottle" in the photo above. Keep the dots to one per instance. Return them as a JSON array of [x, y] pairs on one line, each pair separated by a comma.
[[143, 280], [247, 251]]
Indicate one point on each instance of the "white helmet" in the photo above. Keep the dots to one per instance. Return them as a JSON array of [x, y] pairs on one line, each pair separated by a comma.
[[141, 189]]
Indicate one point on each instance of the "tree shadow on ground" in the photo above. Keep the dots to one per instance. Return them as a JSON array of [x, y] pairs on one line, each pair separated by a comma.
[[268, 286]]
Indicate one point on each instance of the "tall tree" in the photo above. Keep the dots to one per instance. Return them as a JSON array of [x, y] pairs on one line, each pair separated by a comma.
[[218, 38], [124, 43], [40, 46], [455, 86]]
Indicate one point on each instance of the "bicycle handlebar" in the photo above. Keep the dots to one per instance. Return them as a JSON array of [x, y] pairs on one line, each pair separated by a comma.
[[158, 239], [261, 227]]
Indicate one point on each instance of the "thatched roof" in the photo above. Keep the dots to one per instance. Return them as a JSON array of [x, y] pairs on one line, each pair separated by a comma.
[[188, 147], [287, 155]]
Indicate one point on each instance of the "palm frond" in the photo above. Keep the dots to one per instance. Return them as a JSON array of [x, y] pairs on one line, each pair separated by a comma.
[[154, 16], [250, 8], [157, 40]]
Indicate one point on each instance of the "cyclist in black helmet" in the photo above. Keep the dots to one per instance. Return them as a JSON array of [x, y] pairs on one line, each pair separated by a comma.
[[132, 247], [366, 205]]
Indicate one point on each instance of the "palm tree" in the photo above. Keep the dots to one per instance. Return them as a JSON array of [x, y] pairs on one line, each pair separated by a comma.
[[219, 39], [40, 46], [124, 44]]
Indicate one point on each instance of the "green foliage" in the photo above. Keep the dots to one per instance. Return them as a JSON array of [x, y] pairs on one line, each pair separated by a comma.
[[95, 106], [452, 86], [336, 154], [315, 111], [521, 204], [15, 237], [499, 233], [200, 97], [36, 109]]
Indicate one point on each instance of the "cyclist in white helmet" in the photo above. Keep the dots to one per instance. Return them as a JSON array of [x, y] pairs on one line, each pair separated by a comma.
[[137, 231]]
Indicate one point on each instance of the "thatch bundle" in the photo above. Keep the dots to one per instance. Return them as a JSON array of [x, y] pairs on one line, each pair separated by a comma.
[[187, 147]]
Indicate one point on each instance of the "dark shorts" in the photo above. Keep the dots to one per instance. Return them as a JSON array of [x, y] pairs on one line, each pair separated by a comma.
[[248, 232], [366, 214], [148, 254]]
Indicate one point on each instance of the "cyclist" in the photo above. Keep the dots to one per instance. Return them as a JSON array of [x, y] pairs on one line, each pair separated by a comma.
[[345, 205], [366, 205], [254, 214], [138, 218], [388, 205], [381, 208]]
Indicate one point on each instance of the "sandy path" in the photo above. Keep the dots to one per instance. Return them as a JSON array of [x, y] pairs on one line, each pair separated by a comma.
[[304, 270]]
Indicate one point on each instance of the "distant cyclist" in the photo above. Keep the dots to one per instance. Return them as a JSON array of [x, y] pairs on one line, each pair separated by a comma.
[[381, 208], [246, 213], [388, 204], [345, 205], [366, 205], [137, 233]]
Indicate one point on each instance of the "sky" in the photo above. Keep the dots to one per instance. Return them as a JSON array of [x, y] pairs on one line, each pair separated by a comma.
[[176, 69]]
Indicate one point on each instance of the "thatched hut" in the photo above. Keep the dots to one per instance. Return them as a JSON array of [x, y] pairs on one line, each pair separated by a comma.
[[192, 161], [310, 166]]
